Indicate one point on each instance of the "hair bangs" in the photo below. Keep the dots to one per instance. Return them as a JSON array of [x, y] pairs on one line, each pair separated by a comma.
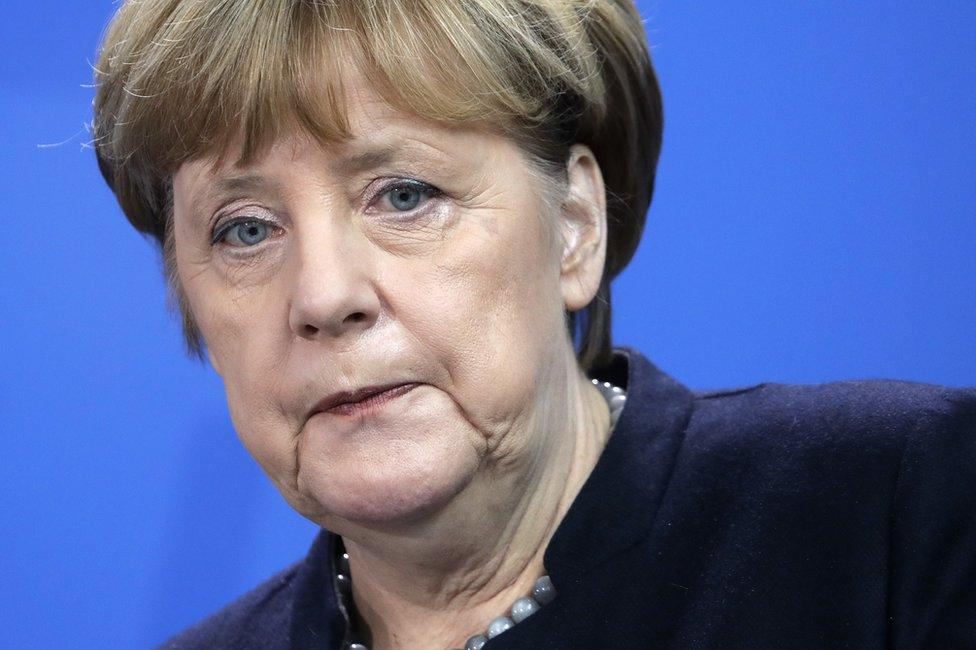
[[234, 77], [229, 78]]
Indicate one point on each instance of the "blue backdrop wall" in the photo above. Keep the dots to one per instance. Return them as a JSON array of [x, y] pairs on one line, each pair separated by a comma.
[[815, 220]]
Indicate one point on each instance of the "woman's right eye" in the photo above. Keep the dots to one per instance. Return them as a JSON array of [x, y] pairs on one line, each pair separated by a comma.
[[243, 233]]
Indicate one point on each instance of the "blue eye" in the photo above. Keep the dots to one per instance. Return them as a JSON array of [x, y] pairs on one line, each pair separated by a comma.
[[249, 232], [405, 196]]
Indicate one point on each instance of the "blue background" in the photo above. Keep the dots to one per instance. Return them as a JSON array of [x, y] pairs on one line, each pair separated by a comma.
[[815, 220]]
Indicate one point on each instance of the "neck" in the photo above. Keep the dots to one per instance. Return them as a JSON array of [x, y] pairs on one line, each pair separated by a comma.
[[434, 583]]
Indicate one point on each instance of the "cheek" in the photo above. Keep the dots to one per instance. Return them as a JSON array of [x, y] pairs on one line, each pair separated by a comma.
[[491, 307], [252, 379], [240, 327]]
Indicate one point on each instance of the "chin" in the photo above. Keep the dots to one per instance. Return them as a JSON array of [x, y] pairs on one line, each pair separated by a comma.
[[393, 473], [384, 493]]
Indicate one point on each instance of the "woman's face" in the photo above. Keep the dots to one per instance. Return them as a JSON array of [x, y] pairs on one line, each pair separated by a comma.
[[413, 257]]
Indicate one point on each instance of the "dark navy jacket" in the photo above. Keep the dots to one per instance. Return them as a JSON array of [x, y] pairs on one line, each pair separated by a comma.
[[840, 515]]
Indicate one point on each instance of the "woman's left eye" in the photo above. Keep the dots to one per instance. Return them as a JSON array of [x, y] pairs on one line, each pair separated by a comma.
[[243, 233], [407, 195]]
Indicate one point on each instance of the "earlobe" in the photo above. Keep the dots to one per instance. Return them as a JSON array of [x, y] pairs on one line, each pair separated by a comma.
[[584, 229]]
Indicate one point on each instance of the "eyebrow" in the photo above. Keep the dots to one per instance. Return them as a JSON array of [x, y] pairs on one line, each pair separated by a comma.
[[353, 164], [373, 156], [244, 182], [229, 186]]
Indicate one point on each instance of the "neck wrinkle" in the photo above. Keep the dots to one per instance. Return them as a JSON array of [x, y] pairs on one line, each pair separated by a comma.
[[463, 581]]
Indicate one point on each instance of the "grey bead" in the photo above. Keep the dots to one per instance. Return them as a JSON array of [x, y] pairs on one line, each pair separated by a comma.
[[356, 646], [543, 592], [499, 625], [618, 401], [523, 608], [343, 564], [476, 642], [343, 582]]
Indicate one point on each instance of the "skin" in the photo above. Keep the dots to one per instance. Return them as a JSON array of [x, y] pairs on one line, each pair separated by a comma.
[[447, 495]]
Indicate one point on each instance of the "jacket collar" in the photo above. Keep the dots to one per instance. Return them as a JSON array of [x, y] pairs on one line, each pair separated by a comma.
[[618, 502]]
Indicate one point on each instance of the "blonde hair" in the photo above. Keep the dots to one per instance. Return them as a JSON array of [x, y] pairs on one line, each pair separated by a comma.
[[181, 79]]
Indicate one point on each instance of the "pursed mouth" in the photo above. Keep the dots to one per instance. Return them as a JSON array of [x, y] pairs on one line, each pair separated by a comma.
[[362, 400]]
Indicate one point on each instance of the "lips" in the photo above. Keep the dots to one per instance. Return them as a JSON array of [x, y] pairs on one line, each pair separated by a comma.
[[349, 402]]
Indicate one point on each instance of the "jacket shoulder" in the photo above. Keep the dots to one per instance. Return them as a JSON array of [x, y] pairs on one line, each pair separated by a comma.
[[245, 622], [834, 445], [833, 417]]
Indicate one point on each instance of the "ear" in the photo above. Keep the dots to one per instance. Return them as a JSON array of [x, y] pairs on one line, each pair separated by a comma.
[[583, 227]]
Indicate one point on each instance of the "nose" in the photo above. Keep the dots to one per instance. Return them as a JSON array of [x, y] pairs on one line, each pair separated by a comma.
[[333, 293]]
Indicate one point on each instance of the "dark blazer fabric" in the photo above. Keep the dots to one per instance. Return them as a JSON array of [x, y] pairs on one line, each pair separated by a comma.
[[840, 515]]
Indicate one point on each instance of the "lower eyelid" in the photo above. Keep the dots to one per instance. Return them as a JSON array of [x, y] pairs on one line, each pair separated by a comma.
[[432, 215], [246, 254], [430, 208]]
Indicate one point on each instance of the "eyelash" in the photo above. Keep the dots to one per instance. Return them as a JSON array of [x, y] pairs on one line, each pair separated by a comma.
[[221, 230]]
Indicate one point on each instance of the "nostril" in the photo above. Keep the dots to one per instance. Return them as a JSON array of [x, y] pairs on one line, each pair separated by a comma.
[[310, 331]]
